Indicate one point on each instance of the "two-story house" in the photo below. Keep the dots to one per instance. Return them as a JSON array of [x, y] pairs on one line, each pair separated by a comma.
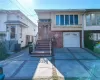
[[64, 25], [67, 26], [17, 28]]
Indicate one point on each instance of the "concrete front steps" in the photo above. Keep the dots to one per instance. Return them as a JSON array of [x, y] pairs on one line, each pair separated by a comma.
[[42, 48]]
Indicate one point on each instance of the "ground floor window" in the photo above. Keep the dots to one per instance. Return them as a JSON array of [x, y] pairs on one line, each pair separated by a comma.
[[96, 36]]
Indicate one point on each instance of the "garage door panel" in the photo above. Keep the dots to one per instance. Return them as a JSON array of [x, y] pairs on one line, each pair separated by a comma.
[[71, 39]]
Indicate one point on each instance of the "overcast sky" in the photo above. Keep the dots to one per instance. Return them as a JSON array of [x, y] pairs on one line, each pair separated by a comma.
[[28, 6]]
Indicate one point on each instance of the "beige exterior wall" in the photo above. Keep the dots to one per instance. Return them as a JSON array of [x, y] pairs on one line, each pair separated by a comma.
[[54, 27], [44, 15]]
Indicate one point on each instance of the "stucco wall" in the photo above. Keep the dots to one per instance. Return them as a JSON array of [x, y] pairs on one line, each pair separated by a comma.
[[3, 18], [12, 16]]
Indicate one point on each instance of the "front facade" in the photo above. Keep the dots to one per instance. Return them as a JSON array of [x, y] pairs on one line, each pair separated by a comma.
[[17, 27], [68, 26]]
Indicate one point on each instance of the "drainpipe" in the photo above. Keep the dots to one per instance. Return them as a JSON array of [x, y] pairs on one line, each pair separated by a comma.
[[83, 24]]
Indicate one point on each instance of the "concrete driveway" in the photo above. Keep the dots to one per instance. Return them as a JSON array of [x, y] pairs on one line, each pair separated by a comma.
[[66, 64]]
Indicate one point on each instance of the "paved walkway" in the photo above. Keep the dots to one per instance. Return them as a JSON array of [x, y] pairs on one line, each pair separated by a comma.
[[66, 64]]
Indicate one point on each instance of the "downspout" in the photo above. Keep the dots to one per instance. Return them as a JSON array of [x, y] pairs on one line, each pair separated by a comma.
[[83, 24]]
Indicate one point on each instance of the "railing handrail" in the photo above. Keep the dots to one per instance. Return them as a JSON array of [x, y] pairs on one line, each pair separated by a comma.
[[36, 38], [50, 46]]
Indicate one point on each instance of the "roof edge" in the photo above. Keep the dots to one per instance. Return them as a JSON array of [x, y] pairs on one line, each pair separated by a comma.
[[62, 10]]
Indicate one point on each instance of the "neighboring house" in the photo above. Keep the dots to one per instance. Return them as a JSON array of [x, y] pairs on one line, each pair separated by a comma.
[[92, 22], [68, 26], [17, 27]]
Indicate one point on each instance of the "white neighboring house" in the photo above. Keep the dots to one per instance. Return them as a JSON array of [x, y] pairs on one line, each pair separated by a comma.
[[17, 27]]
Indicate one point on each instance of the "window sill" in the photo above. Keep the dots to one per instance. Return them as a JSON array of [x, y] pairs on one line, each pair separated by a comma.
[[92, 25], [68, 25]]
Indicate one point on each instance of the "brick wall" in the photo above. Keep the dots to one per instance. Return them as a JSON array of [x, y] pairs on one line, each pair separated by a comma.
[[59, 38]]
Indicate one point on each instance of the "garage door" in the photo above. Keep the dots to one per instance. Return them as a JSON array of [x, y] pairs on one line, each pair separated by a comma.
[[71, 39]]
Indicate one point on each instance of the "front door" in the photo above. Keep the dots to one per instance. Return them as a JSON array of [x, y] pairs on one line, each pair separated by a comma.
[[46, 32]]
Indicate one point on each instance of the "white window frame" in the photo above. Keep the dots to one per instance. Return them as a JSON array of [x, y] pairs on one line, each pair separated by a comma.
[[69, 19], [96, 36], [73, 20], [64, 19]]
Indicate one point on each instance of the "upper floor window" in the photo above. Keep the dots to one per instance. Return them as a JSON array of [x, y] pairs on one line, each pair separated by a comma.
[[71, 20], [88, 20], [66, 19], [61, 19], [92, 19], [98, 19], [76, 19], [57, 20]]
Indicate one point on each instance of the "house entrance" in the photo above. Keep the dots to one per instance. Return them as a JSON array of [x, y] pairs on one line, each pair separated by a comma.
[[45, 32]]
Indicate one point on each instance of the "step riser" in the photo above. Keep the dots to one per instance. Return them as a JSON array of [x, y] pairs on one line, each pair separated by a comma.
[[42, 44], [43, 47], [41, 53], [43, 41]]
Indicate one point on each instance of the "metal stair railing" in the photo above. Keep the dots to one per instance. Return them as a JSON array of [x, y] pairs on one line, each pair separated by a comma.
[[35, 38], [50, 43]]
